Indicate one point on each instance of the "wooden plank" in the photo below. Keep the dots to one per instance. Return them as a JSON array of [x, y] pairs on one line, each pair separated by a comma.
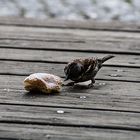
[[70, 117], [94, 41], [40, 132], [64, 57], [53, 33], [67, 33], [109, 105], [114, 46], [105, 95], [90, 24], [106, 73]]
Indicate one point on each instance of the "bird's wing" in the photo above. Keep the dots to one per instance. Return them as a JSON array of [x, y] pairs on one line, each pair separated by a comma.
[[90, 65]]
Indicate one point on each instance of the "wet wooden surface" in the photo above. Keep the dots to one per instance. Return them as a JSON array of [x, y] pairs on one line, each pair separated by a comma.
[[109, 110]]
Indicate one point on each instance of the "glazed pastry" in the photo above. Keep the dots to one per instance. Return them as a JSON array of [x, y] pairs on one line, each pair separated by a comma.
[[43, 82]]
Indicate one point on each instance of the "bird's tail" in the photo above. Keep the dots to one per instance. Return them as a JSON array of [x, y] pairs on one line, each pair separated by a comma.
[[106, 58]]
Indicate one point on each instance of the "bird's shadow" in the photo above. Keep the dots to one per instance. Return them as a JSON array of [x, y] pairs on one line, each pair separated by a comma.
[[83, 87], [80, 88]]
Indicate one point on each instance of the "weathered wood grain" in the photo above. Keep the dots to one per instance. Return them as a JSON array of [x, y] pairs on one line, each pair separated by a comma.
[[109, 110], [70, 117], [66, 34], [100, 46], [68, 39], [105, 95], [90, 24], [64, 57], [42, 132], [106, 73]]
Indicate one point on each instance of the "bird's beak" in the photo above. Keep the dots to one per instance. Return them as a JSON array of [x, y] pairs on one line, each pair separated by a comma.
[[66, 78]]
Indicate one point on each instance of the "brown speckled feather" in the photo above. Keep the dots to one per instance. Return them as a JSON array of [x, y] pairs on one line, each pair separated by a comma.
[[80, 70]]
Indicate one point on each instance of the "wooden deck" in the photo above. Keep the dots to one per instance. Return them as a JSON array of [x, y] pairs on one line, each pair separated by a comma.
[[109, 111]]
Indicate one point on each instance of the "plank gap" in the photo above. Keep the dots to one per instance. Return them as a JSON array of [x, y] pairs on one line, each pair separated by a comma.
[[71, 125], [46, 40], [69, 107], [2, 138], [74, 50], [57, 26], [64, 62]]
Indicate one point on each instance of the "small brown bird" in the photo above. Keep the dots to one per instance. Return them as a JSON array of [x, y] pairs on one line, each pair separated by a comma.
[[81, 70]]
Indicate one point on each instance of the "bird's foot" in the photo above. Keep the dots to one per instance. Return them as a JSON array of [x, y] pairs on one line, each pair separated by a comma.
[[90, 85]]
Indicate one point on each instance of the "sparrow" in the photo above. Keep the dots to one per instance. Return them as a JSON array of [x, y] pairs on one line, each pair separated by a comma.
[[81, 70]]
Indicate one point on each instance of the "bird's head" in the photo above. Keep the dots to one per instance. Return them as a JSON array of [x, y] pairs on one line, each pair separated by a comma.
[[74, 71]]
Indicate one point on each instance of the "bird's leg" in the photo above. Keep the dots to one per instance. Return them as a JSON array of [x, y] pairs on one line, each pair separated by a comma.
[[92, 83]]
